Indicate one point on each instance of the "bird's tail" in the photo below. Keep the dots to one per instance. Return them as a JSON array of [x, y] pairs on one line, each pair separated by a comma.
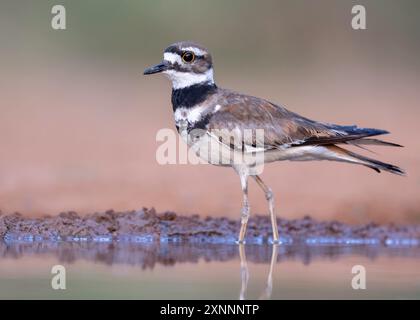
[[346, 155], [376, 142]]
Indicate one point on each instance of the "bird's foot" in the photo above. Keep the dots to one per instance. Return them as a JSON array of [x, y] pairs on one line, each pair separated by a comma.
[[275, 241]]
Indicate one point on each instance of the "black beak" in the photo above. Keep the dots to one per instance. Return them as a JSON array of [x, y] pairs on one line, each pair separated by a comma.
[[156, 69]]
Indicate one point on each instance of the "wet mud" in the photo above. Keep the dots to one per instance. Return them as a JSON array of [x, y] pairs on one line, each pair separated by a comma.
[[148, 226]]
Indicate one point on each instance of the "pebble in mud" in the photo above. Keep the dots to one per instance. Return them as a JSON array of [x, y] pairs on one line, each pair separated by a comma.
[[168, 226]]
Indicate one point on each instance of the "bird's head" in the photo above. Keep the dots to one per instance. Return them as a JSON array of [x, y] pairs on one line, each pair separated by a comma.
[[185, 64]]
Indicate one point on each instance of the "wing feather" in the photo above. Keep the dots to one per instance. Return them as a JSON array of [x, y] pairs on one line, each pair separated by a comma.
[[281, 128]]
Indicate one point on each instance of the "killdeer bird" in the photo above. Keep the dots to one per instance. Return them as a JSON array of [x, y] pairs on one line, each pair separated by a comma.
[[205, 113]]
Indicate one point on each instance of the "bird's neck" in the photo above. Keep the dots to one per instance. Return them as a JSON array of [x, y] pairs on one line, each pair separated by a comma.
[[191, 96]]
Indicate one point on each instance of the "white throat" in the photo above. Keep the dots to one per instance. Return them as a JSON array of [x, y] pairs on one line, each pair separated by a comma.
[[185, 79]]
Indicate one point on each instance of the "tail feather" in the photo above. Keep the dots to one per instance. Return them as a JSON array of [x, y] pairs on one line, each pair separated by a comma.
[[379, 165], [377, 142], [346, 134], [354, 131], [376, 165]]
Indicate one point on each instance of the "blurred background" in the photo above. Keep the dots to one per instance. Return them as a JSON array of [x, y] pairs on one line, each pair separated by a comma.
[[78, 120]]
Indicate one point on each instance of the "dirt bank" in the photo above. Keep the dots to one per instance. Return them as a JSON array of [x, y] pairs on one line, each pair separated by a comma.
[[146, 225]]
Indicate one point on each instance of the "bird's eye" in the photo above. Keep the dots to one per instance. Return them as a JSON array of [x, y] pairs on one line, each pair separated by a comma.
[[188, 56]]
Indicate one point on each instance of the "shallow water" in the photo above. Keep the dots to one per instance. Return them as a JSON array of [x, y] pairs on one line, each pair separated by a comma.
[[207, 271]]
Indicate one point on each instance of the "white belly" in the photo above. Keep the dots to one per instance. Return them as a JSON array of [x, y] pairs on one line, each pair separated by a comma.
[[212, 151]]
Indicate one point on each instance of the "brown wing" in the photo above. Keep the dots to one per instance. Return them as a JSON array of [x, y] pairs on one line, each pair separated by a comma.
[[282, 128]]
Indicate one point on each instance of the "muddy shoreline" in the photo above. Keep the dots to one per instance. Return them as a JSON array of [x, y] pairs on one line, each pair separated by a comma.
[[146, 225]]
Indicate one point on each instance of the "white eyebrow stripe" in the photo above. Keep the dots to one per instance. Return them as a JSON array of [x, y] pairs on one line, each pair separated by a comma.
[[172, 57], [197, 51]]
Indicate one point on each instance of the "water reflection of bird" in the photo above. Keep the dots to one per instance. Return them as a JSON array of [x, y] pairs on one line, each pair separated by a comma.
[[268, 289], [244, 132]]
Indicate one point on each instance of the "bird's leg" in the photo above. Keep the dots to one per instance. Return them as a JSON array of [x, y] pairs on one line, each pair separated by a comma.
[[245, 208], [244, 272], [270, 199]]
